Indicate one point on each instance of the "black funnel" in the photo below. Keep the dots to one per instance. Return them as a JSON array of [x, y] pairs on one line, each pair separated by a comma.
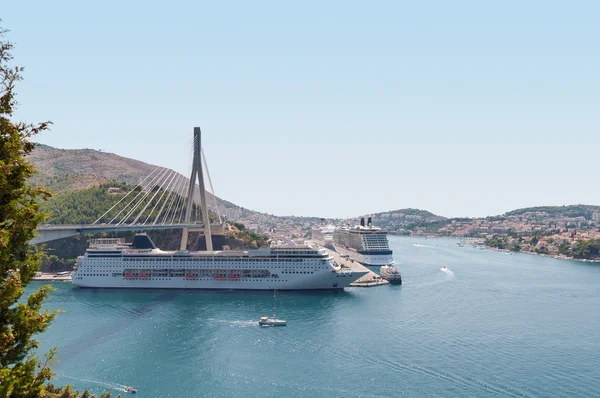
[[362, 221], [369, 221], [142, 241]]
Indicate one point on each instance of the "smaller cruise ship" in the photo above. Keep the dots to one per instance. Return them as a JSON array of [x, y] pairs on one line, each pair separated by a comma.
[[366, 244], [391, 274], [323, 235]]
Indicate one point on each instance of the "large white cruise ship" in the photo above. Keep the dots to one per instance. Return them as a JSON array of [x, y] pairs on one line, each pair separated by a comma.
[[111, 263], [366, 244]]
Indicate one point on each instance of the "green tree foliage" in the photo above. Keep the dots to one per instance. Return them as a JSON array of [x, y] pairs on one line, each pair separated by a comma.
[[588, 249], [21, 372], [497, 242], [67, 392], [252, 239], [565, 249], [86, 205]]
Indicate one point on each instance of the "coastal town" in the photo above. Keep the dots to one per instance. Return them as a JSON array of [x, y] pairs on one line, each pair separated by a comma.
[[561, 231]]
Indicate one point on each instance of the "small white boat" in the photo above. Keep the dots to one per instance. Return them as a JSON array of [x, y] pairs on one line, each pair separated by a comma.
[[272, 320], [131, 390]]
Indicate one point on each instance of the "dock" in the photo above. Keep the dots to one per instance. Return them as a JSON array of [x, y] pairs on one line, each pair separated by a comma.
[[47, 277], [371, 279]]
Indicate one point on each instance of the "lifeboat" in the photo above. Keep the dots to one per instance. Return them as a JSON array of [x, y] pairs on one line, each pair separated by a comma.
[[234, 277], [219, 276], [191, 276], [129, 276], [144, 276]]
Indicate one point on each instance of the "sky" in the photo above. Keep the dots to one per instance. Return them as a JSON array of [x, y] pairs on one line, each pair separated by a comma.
[[328, 109]]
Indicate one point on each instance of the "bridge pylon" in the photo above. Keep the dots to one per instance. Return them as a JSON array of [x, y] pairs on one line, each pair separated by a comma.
[[197, 173]]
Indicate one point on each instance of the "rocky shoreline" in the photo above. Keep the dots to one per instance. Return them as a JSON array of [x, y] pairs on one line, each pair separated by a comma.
[[555, 256]]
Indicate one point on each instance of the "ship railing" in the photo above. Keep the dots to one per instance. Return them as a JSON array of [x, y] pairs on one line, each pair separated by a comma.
[[107, 242]]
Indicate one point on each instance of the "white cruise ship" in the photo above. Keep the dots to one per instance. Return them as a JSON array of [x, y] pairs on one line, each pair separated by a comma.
[[366, 244], [111, 263], [323, 235]]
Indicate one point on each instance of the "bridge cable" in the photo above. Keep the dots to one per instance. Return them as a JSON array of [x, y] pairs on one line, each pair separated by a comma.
[[125, 195], [180, 200], [172, 201], [162, 181], [173, 175], [183, 193], [143, 187], [146, 193], [214, 195], [176, 198], [161, 189], [143, 191]]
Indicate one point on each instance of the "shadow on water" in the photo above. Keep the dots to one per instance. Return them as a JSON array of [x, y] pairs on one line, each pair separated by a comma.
[[151, 300], [101, 333]]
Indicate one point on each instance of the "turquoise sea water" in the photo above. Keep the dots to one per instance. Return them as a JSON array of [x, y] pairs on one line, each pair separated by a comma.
[[495, 324]]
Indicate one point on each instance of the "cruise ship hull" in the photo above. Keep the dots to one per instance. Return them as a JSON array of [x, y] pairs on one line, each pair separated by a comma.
[[374, 260], [320, 281]]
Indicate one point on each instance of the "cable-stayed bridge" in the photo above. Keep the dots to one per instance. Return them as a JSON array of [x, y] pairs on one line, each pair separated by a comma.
[[163, 200]]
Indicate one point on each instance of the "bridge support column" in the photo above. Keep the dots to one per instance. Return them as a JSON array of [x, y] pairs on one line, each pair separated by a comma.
[[197, 172]]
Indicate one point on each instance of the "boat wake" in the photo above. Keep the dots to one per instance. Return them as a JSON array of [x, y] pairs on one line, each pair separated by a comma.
[[243, 324], [112, 386]]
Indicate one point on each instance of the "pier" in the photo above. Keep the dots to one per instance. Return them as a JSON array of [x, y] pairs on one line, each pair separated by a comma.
[[371, 279], [47, 277]]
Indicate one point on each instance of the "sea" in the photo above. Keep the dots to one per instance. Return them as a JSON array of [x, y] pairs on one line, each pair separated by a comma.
[[489, 324]]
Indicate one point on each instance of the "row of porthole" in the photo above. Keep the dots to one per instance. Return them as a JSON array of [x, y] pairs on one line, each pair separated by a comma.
[[208, 279], [297, 272], [196, 266]]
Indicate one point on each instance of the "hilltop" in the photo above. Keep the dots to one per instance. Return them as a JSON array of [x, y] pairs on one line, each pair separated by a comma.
[[585, 211], [404, 220]]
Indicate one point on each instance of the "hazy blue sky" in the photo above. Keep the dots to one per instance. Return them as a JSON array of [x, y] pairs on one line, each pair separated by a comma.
[[333, 109]]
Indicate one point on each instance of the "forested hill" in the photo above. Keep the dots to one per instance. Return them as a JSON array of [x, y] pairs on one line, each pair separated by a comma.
[[407, 219], [558, 211]]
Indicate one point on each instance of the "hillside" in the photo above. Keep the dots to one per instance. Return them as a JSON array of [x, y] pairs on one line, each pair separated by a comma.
[[65, 170], [400, 221], [72, 169], [585, 211]]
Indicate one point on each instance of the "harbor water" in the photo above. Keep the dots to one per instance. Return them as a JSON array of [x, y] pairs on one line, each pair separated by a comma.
[[489, 324]]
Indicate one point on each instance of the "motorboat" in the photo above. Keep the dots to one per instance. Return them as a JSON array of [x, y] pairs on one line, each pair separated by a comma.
[[131, 390], [271, 321], [391, 274]]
